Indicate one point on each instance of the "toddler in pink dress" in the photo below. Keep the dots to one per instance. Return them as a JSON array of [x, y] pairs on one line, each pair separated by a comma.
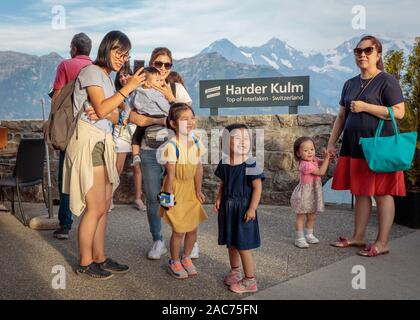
[[307, 198]]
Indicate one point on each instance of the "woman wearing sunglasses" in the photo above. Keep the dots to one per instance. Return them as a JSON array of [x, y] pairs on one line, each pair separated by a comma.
[[90, 174], [363, 103], [161, 59]]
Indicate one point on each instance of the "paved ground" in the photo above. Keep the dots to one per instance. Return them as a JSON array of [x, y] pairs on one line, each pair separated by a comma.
[[28, 256], [388, 277]]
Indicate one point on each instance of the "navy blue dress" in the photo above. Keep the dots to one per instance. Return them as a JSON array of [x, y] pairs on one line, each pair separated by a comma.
[[237, 191]]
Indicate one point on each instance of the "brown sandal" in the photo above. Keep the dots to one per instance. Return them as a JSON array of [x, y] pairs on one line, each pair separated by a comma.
[[345, 243]]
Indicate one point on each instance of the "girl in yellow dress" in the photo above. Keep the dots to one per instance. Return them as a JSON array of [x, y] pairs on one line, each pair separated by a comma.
[[183, 180]]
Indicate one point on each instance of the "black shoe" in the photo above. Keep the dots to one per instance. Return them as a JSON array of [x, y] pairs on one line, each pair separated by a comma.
[[94, 271], [62, 233], [113, 266]]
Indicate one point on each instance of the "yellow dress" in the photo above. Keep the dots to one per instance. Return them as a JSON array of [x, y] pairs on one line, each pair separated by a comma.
[[188, 212]]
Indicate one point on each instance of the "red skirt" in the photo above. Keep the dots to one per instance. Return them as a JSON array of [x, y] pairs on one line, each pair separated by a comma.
[[354, 175]]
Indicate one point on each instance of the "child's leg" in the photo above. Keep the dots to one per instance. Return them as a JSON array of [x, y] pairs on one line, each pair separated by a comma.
[[248, 283], [299, 225], [175, 245], [247, 263], [135, 149], [120, 162], [310, 223], [300, 240], [234, 276], [189, 240], [234, 258]]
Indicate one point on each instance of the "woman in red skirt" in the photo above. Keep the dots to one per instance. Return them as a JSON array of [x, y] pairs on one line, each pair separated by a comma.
[[363, 103]]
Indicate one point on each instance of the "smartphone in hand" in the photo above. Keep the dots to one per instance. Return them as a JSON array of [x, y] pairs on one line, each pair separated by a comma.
[[138, 64]]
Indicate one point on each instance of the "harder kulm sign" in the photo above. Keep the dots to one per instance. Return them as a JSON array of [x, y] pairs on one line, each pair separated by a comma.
[[255, 92]]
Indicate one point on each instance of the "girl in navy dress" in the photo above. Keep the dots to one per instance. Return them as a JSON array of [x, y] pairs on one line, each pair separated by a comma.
[[238, 197]]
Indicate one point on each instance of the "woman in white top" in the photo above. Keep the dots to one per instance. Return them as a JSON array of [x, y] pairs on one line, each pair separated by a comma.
[[161, 59], [90, 156]]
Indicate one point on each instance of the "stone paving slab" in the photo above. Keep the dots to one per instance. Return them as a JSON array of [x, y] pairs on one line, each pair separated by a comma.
[[394, 276]]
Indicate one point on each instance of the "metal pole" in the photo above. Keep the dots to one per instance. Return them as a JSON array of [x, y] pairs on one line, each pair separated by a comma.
[[50, 204], [293, 109], [214, 111]]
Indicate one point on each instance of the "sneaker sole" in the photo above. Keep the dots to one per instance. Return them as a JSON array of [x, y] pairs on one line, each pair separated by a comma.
[[83, 274], [176, 276], [154, 258], [61, 237], [116, 271], [244, 291]]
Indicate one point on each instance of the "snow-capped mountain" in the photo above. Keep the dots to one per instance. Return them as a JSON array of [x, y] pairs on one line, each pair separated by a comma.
[[286, 59], [328, 71]]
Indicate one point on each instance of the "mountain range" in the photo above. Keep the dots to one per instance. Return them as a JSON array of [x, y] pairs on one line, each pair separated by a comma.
[[25, 79]]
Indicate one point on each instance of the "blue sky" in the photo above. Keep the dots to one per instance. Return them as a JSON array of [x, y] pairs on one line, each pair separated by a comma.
[[188, 26]]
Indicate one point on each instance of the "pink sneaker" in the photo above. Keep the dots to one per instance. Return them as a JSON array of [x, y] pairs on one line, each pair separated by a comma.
[[234, 276], [189, 266], [244, 286]]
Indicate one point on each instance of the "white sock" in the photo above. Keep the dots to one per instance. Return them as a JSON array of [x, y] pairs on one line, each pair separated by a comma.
[[299, 234], [309, 231]]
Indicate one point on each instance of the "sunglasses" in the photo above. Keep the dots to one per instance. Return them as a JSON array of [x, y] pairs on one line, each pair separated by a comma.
[[368, 51], [160, 64]]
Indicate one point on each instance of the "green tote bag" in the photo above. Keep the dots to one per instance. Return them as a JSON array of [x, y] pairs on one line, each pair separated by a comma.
[[389, 154]]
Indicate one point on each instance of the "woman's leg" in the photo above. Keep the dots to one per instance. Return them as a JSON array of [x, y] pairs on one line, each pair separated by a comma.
[[362, 210], [99, 239], [175, 244], [120, 162], [96, 207], [189, 240], [386, 212]]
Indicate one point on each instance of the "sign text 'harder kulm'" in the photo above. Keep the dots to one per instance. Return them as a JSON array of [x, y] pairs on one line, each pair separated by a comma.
[[255, 92]]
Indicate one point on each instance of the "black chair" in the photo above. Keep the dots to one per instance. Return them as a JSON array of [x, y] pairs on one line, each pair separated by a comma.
[[28, 171]]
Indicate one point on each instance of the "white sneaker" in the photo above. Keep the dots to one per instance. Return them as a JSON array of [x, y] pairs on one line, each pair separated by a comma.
[[157, 250], [111, 207], [301, 243], [310, 238], [136, 160], [195, 253]]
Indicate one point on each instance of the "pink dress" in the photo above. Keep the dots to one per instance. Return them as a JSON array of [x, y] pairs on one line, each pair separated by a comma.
[[307, 196]]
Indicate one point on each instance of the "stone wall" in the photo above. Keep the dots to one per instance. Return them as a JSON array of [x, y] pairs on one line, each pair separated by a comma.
[[280, 131]]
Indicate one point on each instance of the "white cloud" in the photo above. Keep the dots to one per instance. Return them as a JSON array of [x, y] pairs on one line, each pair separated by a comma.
[[188, 26]]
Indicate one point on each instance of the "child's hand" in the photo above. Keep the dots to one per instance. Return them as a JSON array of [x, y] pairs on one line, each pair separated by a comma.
[[216, 206], [249, 215], [201, 197]]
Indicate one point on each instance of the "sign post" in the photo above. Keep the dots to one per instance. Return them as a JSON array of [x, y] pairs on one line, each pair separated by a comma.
[[255, 92]]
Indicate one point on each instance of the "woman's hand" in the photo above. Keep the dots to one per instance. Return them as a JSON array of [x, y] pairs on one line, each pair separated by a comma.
[[216, 206], [166, 91], [357, 106], [91, 114], [249, 215], [136, 80], [201, 197], [332, 150]]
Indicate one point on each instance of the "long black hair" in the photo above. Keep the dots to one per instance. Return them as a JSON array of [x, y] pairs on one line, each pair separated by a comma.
[[112, 40]]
